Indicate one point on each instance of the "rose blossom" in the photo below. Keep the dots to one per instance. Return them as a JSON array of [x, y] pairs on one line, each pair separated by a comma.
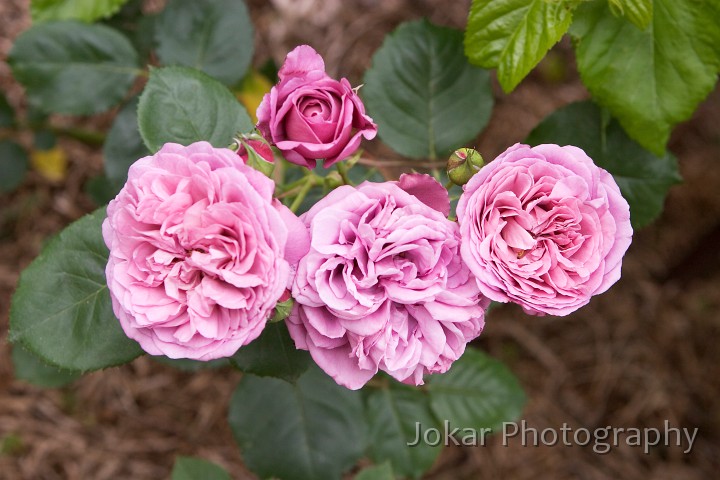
[[309, 116], [199, 252], [544, 227], [383, 286]]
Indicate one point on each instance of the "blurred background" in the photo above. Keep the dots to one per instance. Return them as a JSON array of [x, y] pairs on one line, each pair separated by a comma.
[[645, 352]]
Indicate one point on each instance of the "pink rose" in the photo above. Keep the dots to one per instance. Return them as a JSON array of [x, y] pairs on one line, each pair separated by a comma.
[[199, 252], [309, 116], [383, 286], [544, 227]]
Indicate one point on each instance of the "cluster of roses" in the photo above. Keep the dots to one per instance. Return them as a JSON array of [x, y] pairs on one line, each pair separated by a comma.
[[201, 252]]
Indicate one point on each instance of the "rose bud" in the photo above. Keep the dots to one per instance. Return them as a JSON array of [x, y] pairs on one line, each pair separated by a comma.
[[463, 164], [256, 153]]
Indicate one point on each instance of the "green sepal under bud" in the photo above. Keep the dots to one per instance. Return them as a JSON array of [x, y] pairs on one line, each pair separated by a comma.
[[282, 310], [463, 164]]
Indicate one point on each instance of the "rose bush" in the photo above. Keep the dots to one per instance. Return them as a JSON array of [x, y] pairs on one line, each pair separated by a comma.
[[383, 286], [199, 252], [544, 227], [310, 116]]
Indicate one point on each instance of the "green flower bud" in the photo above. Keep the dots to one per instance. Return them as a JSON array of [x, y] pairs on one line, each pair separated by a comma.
[[463, 164]]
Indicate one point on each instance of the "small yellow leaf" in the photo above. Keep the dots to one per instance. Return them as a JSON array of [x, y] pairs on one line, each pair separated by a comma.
[[251, 91], [51, 164]]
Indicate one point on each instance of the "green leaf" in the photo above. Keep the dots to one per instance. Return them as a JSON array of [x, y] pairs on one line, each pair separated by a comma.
[[14, 165], [643, 178], [85, 10], [7, 114], [477, 392], [74, 68], [44, 139], [188, 365], [514, 35], [425, 97], [215, 36], [100, 189], [639, 12], [61, 310], [310, 430], [649, 79], [189, 468], [360, 173], [32, 369], [393, 414], [377, 472], [138, 26], [273, 354], [184, 105], [124, 145]]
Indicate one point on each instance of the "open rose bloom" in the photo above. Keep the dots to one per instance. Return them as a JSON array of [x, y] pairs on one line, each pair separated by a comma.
[[383, 286], [310, 116], [544, 227], [199, 252]]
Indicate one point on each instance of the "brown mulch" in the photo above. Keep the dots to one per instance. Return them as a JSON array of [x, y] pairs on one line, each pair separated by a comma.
[[644, 352]]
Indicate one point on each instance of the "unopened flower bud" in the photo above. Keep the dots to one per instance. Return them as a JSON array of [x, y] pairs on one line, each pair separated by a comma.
[[256, 153], [463, 164]]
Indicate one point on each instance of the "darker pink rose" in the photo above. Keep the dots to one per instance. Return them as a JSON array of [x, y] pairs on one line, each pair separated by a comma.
[[200, 252], [544, 227], [310, 116], [383, 286]]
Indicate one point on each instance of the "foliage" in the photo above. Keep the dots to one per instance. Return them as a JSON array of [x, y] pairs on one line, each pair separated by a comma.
[[428, 95], [649, 62], [413, 90]]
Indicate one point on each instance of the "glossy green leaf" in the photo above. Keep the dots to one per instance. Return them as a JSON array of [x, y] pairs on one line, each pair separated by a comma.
[[70, 67], [393, 414], [61, 310], [643, 177], [273, 354], [184, 105], [639, 12], [124, 145], [649, 79], [189, 468], [215, 36], [85, 10], [313, 429], [377, 472], [32, 369], [425, 97], [478, 392], [514, 35], [7, 114], [14, 165]]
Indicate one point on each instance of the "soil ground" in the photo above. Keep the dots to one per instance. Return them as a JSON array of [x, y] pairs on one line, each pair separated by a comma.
[[645, 352]]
